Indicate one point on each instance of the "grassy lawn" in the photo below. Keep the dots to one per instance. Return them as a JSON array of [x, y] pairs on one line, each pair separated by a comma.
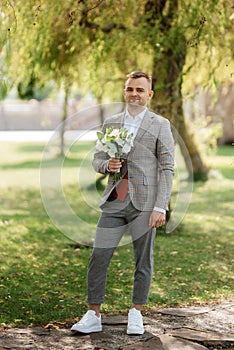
[[43, 271]]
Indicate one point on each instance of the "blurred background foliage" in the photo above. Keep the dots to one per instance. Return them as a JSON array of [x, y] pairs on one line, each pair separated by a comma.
[[90, 45]]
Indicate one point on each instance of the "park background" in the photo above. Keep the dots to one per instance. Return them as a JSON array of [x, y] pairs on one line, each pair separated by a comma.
[[62, 68]]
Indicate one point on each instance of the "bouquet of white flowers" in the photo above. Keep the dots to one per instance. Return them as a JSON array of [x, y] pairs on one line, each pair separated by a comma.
[[117, 143]]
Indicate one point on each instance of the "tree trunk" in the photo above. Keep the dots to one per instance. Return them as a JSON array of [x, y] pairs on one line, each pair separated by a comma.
[[101, 109], [3, 116], [167, 73], [64, 117]]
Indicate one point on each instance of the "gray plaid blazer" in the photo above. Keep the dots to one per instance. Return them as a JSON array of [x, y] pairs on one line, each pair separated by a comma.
[[150, 163]]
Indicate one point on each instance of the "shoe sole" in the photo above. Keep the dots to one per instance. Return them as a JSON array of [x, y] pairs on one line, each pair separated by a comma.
[[135, 333], [90, 330]]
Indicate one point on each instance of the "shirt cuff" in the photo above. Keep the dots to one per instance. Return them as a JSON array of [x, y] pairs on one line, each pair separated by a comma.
[[107, 169], [160, 210]]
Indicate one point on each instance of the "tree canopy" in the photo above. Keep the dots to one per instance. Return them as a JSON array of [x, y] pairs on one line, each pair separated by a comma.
[[95, 43], [65, 41]]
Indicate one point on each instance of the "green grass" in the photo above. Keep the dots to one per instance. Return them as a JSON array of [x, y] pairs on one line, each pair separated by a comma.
[[43, 272]]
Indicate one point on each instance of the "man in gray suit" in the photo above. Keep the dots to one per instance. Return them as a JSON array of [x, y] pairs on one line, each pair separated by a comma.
[[136, 204]]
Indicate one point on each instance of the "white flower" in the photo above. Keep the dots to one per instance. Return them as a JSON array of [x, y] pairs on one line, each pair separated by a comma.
[[119, 141], [99, 146], [115, 142], [126, 148], [115, 132]]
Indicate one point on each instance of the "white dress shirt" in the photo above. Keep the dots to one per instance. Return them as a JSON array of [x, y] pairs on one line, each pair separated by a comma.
[[132, 124]]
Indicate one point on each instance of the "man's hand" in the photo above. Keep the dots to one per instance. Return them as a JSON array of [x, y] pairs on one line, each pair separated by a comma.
[[157, 219], [114, 164]]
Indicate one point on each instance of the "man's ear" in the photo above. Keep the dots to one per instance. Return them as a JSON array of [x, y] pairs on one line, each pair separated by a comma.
[[151, 94]]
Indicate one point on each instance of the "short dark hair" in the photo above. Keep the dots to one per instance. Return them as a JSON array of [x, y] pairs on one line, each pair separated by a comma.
[[139, 74]]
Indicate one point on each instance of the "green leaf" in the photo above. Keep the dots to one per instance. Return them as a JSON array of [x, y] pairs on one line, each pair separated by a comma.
[[112, 146], [100, 135]]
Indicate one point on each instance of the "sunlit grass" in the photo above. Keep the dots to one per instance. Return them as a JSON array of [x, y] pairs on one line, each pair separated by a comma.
[[43, 273]]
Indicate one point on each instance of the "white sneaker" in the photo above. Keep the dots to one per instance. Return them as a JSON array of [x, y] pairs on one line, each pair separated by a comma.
[[135, 322], [89, 323]]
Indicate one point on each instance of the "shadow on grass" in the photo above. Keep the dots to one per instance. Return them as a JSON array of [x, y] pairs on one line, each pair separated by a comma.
[[67, 162], [77, 147], [216, 201], [225, 151], [43, 274], [44, 282], [43, 278], [31, 147], [191, 267], [75, 154]]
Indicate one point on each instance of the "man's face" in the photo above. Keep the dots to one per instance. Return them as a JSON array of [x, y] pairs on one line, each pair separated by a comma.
[[137, 92]]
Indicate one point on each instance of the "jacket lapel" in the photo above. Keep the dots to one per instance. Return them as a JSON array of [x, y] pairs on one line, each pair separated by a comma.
[[145, 125], [119, 123]]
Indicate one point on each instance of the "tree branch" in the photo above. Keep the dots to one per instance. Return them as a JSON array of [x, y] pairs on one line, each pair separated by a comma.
[[154, 10], [91, 8], [13, 10], [194, 40], [173, 8]]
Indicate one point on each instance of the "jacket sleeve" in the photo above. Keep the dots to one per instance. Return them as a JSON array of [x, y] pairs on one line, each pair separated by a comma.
[[165, 159], [100, 159]]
